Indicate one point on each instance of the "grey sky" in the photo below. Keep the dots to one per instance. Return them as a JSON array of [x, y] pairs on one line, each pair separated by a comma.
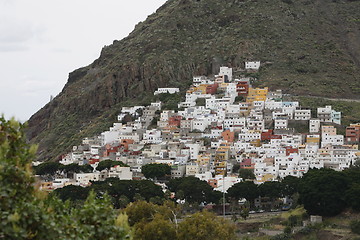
[[41, 41]]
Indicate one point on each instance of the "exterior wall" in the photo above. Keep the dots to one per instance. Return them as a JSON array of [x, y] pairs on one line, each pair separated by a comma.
[[313, 139], [332, 140], [242, 88], [226, 71], [252, 65], [336, 117], [228, 136], [85, 178], [166, 90], [257, 94], [314, 125], [212, 88], [281, 123], [192, 169], [353, 133], [328, 130], [324, 114], [123, 173], [302, 114]]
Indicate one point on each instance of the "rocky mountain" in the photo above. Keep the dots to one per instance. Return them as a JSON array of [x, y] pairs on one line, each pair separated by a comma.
[[307, 47]]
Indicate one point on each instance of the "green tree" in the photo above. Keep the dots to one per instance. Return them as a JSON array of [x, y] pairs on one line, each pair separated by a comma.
[[194, 189], [236, 168], [155, 171], [247, 190], [352, 196], [246, 174], [123, 201], [72, 193], [244, 213], [132, 189], [142, 211], [322, 191], [27, 213], [107, 164], [158, 228], [48, 168], [271, 190], [355, 226], [204, 226], [70, 169], [200, 102], [290, 185], [98, 219], [239, 99]]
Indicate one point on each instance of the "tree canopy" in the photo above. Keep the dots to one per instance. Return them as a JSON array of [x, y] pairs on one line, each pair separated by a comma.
[[247, 190], [194, 190], [322, 191], [154, 170], [246, 174], [27, 213], [107, 164]]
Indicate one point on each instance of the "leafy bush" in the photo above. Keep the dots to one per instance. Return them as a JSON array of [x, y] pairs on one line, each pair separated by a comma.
[[27, 213], [355, 226]]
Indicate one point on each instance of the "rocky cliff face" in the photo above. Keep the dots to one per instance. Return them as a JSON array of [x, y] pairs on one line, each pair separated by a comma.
[[308, 47]]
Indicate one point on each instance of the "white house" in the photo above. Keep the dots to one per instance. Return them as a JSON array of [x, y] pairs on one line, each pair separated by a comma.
[[152, 136], [226, 71], [314, 125], [84, 178], [252, 65], [166, 90], [123, 173], [327, 139], [302, 114], [281, 123]]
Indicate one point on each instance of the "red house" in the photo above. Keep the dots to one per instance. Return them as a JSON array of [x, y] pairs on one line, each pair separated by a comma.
[[175, 121], [211, 88], [290, 150], [242, 88]]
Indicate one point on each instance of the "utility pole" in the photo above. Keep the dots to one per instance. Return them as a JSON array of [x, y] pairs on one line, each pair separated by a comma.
[[224, 188]]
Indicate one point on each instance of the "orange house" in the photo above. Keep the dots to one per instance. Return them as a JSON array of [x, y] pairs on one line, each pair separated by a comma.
[[228, 136]]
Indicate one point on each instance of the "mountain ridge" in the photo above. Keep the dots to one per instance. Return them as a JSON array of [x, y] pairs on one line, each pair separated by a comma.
[[312, 47]]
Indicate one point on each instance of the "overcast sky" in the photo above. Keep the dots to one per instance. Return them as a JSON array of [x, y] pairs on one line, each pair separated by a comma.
[[41, 41]]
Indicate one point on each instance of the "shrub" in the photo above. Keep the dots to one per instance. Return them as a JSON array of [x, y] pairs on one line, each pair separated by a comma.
[[355, 226]]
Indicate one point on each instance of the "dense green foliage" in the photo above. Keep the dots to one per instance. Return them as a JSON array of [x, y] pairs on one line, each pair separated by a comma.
[[169, 101], [50, 168], [246, 174], [217, 228], [152, 222], [107, 164], [323, 192], [194, 190], [155, 171], [118, 190], [29, 214], [247, 190], [355, 226]]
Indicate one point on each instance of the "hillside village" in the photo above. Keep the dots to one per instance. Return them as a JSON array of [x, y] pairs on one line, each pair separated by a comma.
[[222, 122]]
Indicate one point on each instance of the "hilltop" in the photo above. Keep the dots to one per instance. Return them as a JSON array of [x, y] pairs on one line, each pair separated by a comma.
[[307, 47]]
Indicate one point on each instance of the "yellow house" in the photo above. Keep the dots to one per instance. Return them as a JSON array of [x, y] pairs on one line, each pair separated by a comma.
[[267, 178], [221, 157], [220, 168], [257, 94], [202, 88], [255, 142], [203, 159], [312, 139]]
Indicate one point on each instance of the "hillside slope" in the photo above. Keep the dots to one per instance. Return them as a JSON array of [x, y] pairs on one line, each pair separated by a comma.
[[307, 47]]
